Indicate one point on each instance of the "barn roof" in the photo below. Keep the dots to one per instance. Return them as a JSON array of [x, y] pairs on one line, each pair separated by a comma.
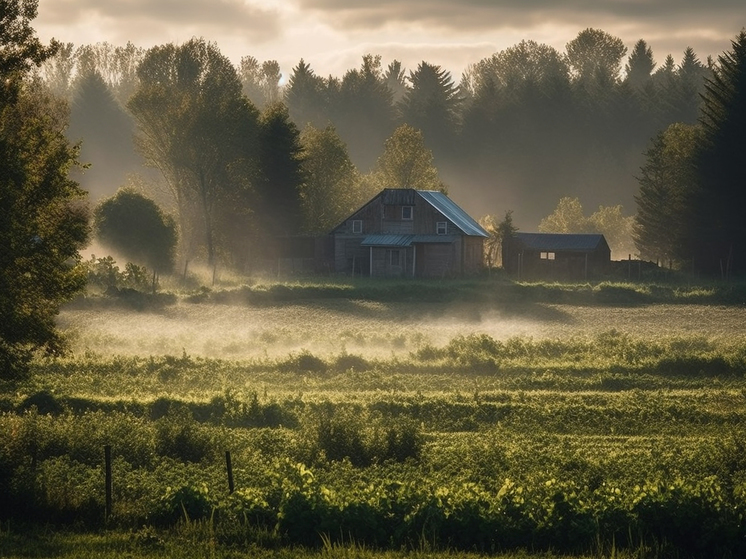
[[453, 212], [572, 242]]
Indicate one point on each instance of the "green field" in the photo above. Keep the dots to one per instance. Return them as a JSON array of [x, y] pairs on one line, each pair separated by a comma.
[[390, 419]]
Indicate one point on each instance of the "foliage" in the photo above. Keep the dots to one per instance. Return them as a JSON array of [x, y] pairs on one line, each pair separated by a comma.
[[407, 163], [198, 130], [668, 188], [499, 235], [595, 56], [134, 226], [278, 207], [333, 188], [21, 49], [104, 274], [431, 104], [43, 220], [718, 223], [260, 82]]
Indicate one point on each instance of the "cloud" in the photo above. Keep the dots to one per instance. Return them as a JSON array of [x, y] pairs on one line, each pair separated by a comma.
[[460, 15], [133, 19]]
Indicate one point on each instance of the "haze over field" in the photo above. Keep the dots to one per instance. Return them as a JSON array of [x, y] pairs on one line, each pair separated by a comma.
[[367, 328]]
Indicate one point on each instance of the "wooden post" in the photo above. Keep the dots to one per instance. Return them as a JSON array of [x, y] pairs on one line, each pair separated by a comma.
[[107, 461], [229, 468]]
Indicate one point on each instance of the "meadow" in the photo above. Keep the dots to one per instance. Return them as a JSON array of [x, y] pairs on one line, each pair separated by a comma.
[[386, 419]]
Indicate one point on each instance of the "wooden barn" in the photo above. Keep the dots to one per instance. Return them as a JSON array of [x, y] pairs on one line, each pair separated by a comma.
[[556, 256], [409, 233]]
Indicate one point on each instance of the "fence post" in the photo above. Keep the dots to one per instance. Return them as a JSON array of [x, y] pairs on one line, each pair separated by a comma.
[[229, 468], [107, 460]]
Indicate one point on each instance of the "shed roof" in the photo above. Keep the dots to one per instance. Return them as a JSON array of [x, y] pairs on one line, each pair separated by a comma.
[[453, 212], [404, 240], [572, 242]]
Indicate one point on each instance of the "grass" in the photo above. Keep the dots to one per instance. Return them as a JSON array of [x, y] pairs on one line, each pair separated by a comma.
[[364, 427]]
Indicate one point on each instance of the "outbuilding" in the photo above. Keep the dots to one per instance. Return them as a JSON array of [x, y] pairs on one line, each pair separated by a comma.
[[556, 256]]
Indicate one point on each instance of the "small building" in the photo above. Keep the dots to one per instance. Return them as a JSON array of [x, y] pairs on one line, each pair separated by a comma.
[[556, 256], [409, 233]]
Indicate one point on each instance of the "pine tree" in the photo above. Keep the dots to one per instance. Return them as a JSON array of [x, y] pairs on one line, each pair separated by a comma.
[[720, 223]]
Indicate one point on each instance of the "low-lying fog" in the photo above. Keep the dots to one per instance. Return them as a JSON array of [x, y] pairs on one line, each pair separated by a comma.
[[367, 328]]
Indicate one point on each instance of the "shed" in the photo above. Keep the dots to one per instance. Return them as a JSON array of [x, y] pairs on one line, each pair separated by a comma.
[[556, 256]]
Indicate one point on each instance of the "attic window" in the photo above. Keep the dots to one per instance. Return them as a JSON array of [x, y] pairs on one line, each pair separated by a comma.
[[406, 212], [547, 256], [441, 227], [357, 226]]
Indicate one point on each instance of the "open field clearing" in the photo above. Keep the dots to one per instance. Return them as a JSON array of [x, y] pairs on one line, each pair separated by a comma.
[[364, 427], [372, 329]]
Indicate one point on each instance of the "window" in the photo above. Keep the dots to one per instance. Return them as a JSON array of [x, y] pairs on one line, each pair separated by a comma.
[[441, 227], [357, 226], [406, 212], [395, 257], [546, 256]]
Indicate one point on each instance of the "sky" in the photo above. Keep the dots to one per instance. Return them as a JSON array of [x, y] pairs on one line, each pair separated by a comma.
[[333, 35]]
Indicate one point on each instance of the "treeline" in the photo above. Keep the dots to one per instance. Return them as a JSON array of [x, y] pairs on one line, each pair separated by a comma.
[[519, 130]]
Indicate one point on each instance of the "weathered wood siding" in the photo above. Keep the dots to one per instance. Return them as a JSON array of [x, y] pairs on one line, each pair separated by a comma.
[[384, 216]]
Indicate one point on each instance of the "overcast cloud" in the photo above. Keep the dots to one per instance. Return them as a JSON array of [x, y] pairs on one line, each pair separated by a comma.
[[333, 35]]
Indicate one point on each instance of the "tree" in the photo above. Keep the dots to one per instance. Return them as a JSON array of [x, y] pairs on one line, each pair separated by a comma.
[[640, 65], [431, 105], [363, 111], [407, 163], [20, 49], [57, 71], [43, 219], [134, 226], [260, 81], [282, 175], [106, 131], [566, 218], [616, 228], [305, 97], [396, 80], [332, 189], [720, 224], [499, 235], [197, 128], [668, 184], [595, 56]]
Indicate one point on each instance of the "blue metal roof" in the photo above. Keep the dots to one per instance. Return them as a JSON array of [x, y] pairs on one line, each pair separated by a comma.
[[580, 242], [453, 212], [404, 240]]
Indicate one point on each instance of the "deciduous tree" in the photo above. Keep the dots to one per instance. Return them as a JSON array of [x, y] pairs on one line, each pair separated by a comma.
[[332, 189], [407, 163], [199, 131], [134, 226], [43, 218]]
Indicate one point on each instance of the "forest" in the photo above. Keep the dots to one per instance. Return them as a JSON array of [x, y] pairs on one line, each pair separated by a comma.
[[518, 131]]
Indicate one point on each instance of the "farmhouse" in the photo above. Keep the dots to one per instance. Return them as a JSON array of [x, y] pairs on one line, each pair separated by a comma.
[[556, 256], [409, 233]]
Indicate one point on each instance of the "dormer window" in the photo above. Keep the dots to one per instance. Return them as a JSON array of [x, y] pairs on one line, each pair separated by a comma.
[[406, 212], [441, 227], [357, 226]]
